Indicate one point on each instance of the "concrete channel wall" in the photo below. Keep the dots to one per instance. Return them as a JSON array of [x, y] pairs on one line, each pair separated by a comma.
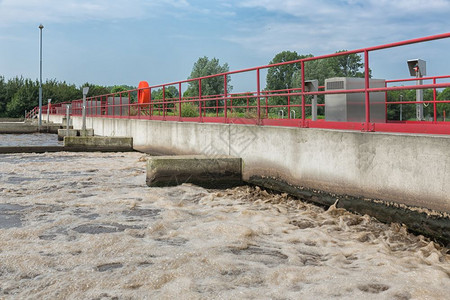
[[406, 169]]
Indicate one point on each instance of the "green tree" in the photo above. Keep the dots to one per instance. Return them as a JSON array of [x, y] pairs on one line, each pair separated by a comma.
[[25, 98], [282, 77], [95, 90], [210, 86], [347, 65], [118, 89], [3, 99], [59, 91]]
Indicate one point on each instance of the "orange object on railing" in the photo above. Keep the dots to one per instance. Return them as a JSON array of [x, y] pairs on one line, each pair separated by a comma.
[[143, 92]]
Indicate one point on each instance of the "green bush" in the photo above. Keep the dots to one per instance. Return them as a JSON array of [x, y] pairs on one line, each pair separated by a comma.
[[188, 109]]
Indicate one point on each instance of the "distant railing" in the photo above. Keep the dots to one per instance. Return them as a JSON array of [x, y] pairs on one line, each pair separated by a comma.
[[261, 107]]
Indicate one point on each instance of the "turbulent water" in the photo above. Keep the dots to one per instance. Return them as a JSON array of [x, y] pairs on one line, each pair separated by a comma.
[[85, 226], [32, 139]]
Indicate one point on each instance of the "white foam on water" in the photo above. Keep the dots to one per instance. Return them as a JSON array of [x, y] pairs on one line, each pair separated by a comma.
[[92, 229]]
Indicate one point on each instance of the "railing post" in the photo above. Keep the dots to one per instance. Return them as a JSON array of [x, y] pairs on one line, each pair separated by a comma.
[[150, 105], [179, 101], [200, 99], [164, 102], [258, 94], [302, 66], [67, 119], [434, 103], [225, 98], [366, 88]]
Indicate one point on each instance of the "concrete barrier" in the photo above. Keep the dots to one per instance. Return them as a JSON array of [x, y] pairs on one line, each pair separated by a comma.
[[205, 171], [74, 132], [99, 143], [27, 127], [66, 132]]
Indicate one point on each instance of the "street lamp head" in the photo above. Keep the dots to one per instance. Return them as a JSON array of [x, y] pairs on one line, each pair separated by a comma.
[[41, 26]]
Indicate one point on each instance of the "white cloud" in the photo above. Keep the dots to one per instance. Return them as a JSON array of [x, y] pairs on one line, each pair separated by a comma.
[[325, 26], [24, 11]]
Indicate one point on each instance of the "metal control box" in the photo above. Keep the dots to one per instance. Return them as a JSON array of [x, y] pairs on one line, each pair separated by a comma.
[[350, 107]]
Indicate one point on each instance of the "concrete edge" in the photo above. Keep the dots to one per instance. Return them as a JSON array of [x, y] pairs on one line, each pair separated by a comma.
[[207, 171]]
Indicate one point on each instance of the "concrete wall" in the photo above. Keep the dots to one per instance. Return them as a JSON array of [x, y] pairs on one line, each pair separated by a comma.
[[407, 169]]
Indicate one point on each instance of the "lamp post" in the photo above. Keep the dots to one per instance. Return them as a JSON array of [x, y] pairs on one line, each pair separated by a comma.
[[40, 78]]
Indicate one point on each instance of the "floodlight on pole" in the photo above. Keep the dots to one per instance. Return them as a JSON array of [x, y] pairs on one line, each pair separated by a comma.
[[40, 77], [85, 92]]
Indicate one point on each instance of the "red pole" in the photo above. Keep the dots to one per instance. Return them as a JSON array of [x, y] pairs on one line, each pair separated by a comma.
[[225, 93], [179, 100], [200, 98], [366, 77], [150, 104], [302, 65], [164, 102], [434, 102], [258, 94]]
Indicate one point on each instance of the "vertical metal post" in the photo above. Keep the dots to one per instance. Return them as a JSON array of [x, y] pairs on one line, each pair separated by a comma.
[[200, 99], [258, 95], [67, 119], [83, 127], [302, 65], [179, 100], [49, 105], [164, 102], [434, 103], [225, 97], [366, 87], [40, 77], [419, 98]]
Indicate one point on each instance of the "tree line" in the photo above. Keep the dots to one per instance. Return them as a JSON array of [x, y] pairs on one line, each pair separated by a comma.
[[19, 94]]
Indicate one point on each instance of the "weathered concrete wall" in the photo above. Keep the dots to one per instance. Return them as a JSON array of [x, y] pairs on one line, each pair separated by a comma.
[[211, 172], [407, 169]]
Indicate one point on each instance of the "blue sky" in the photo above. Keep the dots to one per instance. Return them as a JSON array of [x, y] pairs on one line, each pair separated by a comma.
[[111, 42]]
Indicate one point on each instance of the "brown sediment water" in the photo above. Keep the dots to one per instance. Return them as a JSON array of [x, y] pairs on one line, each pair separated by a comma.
[[85, 226]]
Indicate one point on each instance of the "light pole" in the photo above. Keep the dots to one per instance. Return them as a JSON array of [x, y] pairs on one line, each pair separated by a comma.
[[40, 78]]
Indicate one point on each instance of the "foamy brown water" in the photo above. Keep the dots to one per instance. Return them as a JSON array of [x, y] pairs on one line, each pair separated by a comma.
[[85, 226]]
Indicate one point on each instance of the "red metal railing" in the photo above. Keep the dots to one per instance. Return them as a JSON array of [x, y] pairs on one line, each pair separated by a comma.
[[288, 107]]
